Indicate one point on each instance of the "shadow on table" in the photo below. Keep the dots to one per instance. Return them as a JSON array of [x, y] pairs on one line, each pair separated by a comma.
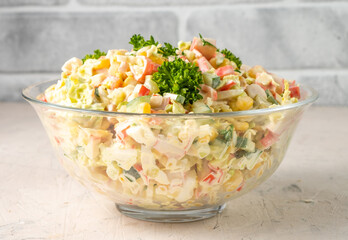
[[283, 205]]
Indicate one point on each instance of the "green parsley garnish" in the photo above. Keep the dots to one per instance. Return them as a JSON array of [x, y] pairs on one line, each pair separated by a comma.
[[205, 42], [230, 56], [181, 78], [227, 134], [97, 54], [138, 42], [167, 50]]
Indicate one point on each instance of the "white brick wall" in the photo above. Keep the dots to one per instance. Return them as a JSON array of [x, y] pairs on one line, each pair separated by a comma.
[[301, 39]]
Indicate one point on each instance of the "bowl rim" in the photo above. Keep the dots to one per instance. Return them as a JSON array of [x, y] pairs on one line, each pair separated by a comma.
[[313, 95]]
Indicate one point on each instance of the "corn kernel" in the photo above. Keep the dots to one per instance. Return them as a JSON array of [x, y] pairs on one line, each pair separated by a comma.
[[184, 45], [213, 62], [120, 52], [113, 171], [225, 62], [64, 75], [190, 55], [122, 108], [156, 59], [120, 76], [244, 103], [214, 134], [241, 126], [105, 124], [74, 78], [113, 68], [118, 82], [153, 172], [129, 80], [233, 105], [102, 63], [255, 70], [123, 75], [120, 96], [204, 139], [144, 108], [97, 79], [142, 53]]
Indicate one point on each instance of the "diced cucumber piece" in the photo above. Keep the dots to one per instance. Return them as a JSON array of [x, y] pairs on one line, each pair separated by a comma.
[[222, 83], [252, 156], [216, 82], [132, 105], [245, 144], [207, 79], [175, 97], [227, 134], [270, 97], [261, 103], [252, 125], [180, 99], [178, 108], [169, 108], [200, 107], [211, 79], [241, 142], [250, 146], [151, 85], [219, 60], [132, 172], [96, 92]]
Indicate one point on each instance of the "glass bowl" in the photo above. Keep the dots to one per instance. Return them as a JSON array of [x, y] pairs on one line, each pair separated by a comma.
[[169, 167]]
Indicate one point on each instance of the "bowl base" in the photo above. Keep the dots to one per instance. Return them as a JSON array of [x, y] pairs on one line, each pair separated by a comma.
[[169, 216]]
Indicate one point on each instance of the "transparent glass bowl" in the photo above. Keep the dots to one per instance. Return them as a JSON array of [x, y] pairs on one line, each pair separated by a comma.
[[196, 164]]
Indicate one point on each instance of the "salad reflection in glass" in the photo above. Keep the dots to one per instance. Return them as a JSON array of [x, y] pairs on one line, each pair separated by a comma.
[[141, 152]]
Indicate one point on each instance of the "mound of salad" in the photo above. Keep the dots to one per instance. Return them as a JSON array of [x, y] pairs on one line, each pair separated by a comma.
[[168, 163]]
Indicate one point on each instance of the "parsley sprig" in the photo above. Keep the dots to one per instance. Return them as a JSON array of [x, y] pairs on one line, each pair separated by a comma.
[[205, 42], [230, 56], [179, 77], [139, 42], [168, 50], [97, 54]]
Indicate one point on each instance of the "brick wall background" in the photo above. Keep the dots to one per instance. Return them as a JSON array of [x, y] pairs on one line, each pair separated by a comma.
[[306, 40]]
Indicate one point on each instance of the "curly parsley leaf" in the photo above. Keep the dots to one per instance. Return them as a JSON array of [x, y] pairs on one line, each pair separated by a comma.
[[139, 42], [150, 42], [179, 77], [97, 54], [230, 56], [167, 50], [205, 42]]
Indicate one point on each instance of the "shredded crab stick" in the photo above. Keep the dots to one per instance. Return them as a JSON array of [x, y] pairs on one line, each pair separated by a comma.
[[170, 163]]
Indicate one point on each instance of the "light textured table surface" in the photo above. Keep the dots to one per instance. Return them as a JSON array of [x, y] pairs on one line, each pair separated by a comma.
[[307, 197]]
